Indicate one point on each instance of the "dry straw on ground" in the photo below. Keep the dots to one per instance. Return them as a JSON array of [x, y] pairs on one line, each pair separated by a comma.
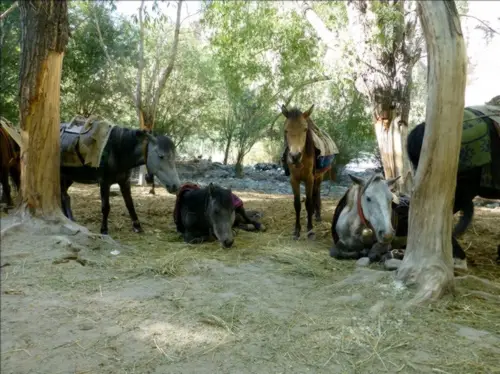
[[270, 304]]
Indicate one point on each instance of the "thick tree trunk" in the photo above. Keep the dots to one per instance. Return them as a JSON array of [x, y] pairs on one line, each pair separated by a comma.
[[45, 29], [226, 151], [386, 64], [238, 168], [428, 258]]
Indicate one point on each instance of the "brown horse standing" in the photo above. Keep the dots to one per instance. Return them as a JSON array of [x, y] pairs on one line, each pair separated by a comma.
[[10, 164], [301, 158]]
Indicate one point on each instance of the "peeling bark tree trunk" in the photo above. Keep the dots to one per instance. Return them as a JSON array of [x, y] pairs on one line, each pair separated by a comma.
[[428, 258], [45, 33], [387, 48]]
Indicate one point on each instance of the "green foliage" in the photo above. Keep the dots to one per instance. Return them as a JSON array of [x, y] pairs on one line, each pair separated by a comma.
[[189, 106], [226, 90], [10, 34], [89, 83]]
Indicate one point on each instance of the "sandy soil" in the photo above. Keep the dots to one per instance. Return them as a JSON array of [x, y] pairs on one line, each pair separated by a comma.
[[268, 305]]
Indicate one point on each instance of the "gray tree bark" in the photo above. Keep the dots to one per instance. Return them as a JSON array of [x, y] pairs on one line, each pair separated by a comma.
[[428, 258]]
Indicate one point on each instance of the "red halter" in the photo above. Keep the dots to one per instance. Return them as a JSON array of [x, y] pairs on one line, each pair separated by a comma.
[[361, 215]]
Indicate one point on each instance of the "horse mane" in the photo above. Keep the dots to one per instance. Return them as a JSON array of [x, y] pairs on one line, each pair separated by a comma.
[[165, 142], [221, 195], [123, 138]]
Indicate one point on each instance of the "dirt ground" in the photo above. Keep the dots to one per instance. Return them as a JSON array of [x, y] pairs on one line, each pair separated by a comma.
[[267, 305]]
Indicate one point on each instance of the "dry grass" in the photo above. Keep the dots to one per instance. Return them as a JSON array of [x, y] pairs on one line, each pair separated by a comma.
[[269, 303]]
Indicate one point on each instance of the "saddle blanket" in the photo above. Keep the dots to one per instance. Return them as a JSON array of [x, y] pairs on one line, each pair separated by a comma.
[[475, 146], [324, 162], [322, 141], [486, 152], [83, 141], [186, 187]]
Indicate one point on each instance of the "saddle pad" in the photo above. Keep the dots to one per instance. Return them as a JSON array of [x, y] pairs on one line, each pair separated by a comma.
[[490, 174], [492, 110], [322, 141], [475, 146], [186, 187], [83, 141], [324, 163]]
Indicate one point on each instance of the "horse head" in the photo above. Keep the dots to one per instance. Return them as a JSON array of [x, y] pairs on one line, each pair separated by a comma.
[[296, 129], [373, 203], [160, 160], [221, 214]]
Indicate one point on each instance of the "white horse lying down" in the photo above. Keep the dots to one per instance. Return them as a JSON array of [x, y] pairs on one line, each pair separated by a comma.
[[363, 226]]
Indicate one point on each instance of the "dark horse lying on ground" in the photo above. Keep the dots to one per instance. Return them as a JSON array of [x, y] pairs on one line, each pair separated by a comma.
[[10, 164], [471, 175], [124, 150], [203, 214]]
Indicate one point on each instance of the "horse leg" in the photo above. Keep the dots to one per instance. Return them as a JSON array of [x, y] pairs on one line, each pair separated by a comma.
[[15, 174], [191, 237], [341, 252], [310, 208], [378, 251], [66, 199], [459, 256], [129, 203], [317, 199], [467, 207], [6, 197], [105, 207], [246, 221], [297, 205]]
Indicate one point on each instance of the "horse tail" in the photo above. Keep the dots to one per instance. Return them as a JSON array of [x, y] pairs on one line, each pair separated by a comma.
[[414, 144]]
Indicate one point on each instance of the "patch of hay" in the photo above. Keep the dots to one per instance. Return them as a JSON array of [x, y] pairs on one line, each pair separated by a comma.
[[270, 303]]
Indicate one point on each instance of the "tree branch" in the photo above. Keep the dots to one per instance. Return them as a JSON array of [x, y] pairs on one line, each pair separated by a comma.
[[168, 70], [124, 88], [11, 8], [140, 65], [491, 29]]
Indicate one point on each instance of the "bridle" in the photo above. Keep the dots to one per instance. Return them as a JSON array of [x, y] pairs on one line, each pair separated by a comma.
[[361, 215], [145, 151]]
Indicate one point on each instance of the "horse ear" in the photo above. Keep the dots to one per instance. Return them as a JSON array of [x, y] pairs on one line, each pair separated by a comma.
[[211, 188], [391, 182], [141, 132], [151, 138], [356, 180], [308, 112], [284, 110]]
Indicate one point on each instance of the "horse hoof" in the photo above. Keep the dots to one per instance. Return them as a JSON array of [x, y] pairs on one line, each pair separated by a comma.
[[460, 263], [311, 236], [262, 227], [138, 230], [318, 218], [104, 232], [296, 236]]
